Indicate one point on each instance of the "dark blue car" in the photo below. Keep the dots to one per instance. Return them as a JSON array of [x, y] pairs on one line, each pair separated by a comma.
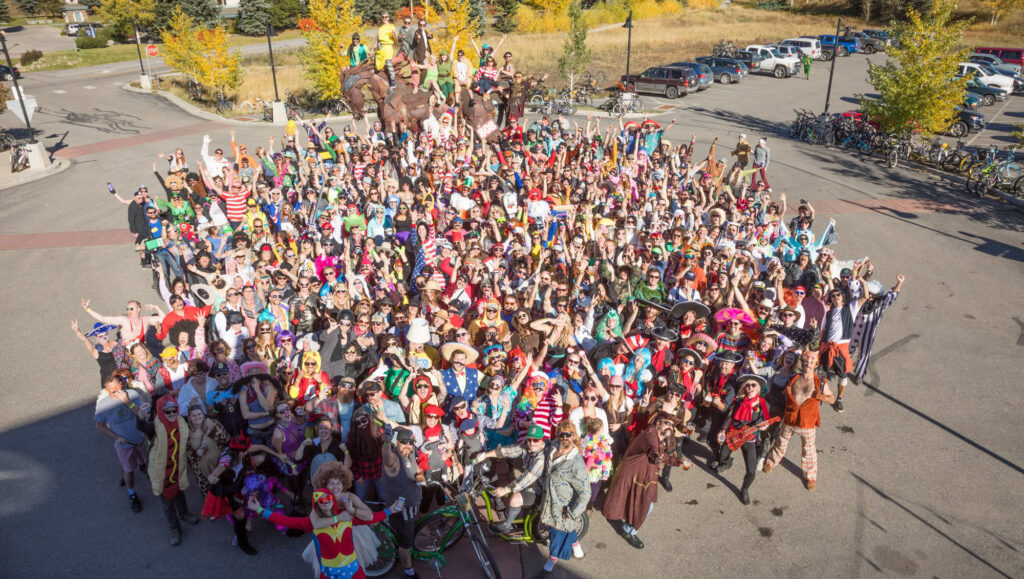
[[704, 75], [847, 46]]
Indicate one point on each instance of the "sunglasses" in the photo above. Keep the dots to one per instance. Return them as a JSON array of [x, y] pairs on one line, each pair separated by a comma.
[[564, 435]]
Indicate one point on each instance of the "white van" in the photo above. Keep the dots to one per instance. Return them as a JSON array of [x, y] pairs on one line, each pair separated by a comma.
[[808, 46]]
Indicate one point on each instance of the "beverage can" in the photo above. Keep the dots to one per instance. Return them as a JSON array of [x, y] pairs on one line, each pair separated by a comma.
[[686, 464]]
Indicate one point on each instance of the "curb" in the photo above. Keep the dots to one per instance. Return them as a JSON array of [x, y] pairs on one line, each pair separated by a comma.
[[195, 111], [58, 165]]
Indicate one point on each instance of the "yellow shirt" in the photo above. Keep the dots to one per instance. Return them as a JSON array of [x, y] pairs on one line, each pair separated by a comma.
[[386, 42]]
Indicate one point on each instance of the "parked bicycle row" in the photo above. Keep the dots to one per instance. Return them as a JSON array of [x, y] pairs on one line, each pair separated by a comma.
[[986, 169]]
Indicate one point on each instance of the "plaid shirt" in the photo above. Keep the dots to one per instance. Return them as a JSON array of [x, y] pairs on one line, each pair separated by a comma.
[[533, 463]]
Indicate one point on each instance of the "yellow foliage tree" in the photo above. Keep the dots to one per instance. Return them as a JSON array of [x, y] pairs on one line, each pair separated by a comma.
[[328, 30], [181, 45], [458, 25], [119, 15], [219, 67]]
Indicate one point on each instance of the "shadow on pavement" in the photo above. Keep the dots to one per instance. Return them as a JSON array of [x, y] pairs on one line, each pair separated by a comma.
[[954, 433], [753, 125], [896, 502]]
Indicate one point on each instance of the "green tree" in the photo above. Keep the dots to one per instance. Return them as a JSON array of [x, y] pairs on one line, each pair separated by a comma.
[[917, 84], [575, 54], [285, 14], [205, 12], [370, 11], [996, 8], [506, 20], [1018, 133], [327, 31], [5, 11], [182, 51], [478, 14], [220, 68], [119, 15], [253, 16]]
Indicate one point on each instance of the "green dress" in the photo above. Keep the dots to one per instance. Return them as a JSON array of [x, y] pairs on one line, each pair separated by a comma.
[[444, 77]]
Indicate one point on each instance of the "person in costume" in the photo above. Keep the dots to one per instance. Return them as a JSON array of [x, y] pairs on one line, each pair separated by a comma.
[[634, 488], [747, 409]]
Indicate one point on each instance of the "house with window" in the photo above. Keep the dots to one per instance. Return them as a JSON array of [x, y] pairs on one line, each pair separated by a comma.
[[74, 13]]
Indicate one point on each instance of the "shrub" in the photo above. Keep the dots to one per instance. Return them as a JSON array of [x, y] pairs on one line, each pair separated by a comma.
[[30, 56], [99, 41]]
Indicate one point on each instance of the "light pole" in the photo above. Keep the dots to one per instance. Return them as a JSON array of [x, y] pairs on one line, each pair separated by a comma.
[[280, 116], [143, 77], [629, 40], [37, 157], [832, 70]]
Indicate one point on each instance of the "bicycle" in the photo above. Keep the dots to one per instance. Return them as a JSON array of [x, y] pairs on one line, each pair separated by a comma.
[[19, 158], [625, 100], [593, 79], [443, 527], [7, 140], [724, 49], [955, 157], [223, 105], [387, 552], [552, 104], [579, 95], [995, 173]]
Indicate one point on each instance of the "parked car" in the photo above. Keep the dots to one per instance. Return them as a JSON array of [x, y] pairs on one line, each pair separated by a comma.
[[664, 80], [773, 62], [868, 45], [9, 73], [845, 47], [809, 46], [882, 35], [986, 75], [989, 95], [967, 122], [1007, 55], [971, 101], [705, 77], [725, 70], [751, 60], [786, 50], [996, 64]]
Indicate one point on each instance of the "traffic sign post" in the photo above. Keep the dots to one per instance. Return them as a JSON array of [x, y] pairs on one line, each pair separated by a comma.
[[151, 50]]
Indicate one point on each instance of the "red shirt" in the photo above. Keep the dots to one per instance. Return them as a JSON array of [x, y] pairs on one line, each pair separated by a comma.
[[191, 313]]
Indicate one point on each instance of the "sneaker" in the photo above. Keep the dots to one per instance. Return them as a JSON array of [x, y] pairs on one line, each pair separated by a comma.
[[838, 406], [549, 566], [134, 503], [190, 518], [811, 485], [175, 537], [760, 463], [577, 551], [500, 528]]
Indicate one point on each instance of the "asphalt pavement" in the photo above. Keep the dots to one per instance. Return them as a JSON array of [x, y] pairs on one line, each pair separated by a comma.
[[921, 476]]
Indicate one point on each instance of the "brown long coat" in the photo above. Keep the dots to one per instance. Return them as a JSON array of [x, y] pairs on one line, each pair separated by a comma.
[[635, 484]]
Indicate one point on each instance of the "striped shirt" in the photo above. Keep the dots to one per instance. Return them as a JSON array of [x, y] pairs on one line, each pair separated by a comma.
[[235, 204]]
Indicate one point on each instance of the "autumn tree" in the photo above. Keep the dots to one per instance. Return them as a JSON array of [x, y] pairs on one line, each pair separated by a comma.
[[182, 50], [455, 20], [119, 15], [220, 68], [918, 84], [327, 31], [575, 54], [997, 8]]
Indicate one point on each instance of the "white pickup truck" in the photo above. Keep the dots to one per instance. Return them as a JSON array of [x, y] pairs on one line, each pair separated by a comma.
[[773, 62]]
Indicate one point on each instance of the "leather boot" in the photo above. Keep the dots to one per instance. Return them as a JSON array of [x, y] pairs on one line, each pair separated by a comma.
[[243, 537]]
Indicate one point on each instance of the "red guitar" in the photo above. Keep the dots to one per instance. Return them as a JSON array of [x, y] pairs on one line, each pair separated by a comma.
[[736, 438]]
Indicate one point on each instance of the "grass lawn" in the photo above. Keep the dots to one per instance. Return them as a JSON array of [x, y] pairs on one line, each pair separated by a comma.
[[64, 59]]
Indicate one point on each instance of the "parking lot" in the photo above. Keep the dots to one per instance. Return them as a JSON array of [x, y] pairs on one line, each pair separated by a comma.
[[767, 103]]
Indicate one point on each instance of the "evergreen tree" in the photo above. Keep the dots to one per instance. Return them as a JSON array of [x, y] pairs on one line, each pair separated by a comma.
[[5, 11], [31, 7], [478, 14], [506, 20], [370, 11], [285, 14], [204, 12], [253, 16], [575, 54], [917, 83]]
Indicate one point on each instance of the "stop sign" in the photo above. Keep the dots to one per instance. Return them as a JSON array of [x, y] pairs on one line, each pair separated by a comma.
[[151, 50]]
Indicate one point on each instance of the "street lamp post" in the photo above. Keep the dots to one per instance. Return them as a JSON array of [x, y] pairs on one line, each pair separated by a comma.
[[143, 77], [277, 107], [37, 157], [832, 70], [629, 40]]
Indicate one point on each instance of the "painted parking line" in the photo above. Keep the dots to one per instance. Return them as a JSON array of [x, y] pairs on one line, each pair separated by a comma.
[[89, 87], [60, 91], [990, 121]]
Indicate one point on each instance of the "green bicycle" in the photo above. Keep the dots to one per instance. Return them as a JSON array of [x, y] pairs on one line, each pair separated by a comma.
[[443, 528]]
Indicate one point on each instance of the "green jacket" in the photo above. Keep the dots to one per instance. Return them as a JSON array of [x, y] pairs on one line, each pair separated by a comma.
[[566, 491]]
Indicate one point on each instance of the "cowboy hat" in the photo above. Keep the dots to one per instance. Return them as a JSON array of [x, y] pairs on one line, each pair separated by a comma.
[[761, 382], [451, 347], [698, 361], [667, 334], [701, 310], [793, 310], [729, 356], [432, 285]]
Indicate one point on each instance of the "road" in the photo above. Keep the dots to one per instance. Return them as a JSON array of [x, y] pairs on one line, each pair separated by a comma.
[[919, 477]]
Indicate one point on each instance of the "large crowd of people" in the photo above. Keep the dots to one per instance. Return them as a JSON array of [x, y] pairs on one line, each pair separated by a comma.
[[343, 321]]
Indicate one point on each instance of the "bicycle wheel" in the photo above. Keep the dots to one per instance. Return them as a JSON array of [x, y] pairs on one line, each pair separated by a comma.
[[1018, 187], [638, 106], [1009, 173], [619, 109], [966, 160], [268, 113], [387, 552], [951, 161], [438, 531], [536, 103], [975, 169], [483, 555], [892, 157]]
